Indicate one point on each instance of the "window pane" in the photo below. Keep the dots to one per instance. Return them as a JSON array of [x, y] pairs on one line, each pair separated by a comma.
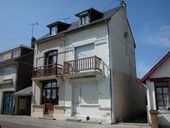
[[165, 90], [49, 85], [54, 85], [48, 93], [54, 94], [159, 90], [160, 103], [159, 97]]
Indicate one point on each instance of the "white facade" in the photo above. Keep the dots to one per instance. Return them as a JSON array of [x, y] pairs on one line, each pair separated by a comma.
[[101, 85], [162, 73]]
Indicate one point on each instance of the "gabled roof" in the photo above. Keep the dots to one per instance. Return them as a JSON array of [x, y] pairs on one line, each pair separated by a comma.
[[143, 80], [75, 25]]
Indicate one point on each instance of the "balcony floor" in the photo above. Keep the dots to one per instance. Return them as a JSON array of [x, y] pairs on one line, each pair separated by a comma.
[[88, 73], [41, 78]]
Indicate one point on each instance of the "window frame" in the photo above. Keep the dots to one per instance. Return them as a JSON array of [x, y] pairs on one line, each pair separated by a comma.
[[162, 94], [85, 19]]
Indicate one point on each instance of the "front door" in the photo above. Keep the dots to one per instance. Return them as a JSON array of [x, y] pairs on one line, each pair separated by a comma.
[[50, 95], [8, 103]]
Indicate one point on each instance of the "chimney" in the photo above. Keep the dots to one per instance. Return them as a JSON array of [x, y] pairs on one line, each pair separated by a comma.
[[33, 39], [123, 4]]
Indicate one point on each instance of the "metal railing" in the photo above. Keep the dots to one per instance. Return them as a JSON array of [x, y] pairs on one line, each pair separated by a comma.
[[88, 63], [48, 70]]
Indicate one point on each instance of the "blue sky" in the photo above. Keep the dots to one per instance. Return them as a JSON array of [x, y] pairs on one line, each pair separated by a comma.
[[149, 20]]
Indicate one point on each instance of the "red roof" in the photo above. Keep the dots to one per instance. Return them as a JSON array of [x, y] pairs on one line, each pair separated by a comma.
[[155, 67]]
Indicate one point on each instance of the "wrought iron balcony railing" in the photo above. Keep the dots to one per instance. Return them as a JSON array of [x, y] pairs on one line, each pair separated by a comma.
[[48, 70]]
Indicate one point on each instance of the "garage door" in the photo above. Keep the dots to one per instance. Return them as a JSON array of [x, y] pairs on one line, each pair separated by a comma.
[[85, 92]]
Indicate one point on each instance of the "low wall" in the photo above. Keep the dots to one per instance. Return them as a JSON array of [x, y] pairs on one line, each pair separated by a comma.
[[58, 112], [37, 111]]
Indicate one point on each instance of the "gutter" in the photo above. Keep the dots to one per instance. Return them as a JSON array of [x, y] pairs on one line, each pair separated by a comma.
[[111, 74]]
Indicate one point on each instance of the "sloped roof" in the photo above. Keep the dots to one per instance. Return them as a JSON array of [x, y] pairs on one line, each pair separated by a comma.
[[143, 80], [75, 25], [24, 92]]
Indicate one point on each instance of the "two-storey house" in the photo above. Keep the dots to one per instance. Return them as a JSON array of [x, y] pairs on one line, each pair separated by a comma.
[[86, 70], [15, 74]]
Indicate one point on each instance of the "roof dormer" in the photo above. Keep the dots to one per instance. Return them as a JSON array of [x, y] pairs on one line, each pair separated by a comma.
[[57, 27], [89, 16]]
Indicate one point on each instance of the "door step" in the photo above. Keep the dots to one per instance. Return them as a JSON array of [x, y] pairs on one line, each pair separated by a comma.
[[47, 117]]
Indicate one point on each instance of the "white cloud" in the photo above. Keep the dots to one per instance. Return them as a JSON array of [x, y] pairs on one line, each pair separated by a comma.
[[142, 69], [157, 36]]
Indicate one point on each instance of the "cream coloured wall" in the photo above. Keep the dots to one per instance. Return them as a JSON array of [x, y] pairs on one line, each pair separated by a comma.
[[126, 90], [164, 115], [43, 47]]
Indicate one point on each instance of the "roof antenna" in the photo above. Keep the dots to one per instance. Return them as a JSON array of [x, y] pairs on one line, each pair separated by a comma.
[[64, 19], [33, 39], [33, 25]]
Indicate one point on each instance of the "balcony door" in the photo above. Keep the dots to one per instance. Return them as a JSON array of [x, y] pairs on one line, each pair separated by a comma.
[[51, 61], [83, 52]]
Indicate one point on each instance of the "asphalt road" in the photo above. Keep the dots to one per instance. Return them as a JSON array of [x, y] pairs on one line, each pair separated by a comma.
[[28, 122], [17, 125]]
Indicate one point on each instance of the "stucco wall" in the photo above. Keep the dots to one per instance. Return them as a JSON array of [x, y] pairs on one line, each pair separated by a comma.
[[126, 89], [162, 71], [43, 47]]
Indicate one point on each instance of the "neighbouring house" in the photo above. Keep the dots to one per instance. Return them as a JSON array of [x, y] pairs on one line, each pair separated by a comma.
[[157, 83], [86, 70], [15, 75]]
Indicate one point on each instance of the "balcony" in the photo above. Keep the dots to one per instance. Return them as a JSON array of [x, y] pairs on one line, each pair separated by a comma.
[[87, 65], [47, 71]]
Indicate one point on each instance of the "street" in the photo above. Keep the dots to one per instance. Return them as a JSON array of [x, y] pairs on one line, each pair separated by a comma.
[[28, 122]]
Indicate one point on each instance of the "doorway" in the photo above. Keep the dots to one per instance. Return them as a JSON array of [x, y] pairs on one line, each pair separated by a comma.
[[50, 95], [8, 103]]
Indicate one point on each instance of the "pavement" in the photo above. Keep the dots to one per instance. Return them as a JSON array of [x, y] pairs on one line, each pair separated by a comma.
[[29, 122]]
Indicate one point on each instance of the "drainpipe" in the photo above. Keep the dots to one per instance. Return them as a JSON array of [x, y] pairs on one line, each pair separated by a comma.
[[148, 102], [111, 75]]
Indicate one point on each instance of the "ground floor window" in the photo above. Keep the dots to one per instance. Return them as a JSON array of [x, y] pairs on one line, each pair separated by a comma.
[[162, 95], [50, 92]]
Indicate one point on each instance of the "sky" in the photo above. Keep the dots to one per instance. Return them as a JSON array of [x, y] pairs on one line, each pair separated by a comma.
[[149, 21]]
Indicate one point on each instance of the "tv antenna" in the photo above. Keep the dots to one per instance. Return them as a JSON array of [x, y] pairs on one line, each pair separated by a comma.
[[64, 19], [33, 26]]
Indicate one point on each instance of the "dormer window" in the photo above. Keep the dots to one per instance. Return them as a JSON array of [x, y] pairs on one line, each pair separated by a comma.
[[89, 16], [16, 53], [54, 30], [57, 27], [84, 20]]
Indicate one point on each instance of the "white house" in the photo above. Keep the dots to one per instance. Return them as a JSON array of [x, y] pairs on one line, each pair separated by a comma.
[[86, 70], [157, 82]]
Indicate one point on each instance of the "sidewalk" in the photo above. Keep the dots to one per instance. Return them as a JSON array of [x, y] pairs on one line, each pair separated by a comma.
[[26, 120]]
